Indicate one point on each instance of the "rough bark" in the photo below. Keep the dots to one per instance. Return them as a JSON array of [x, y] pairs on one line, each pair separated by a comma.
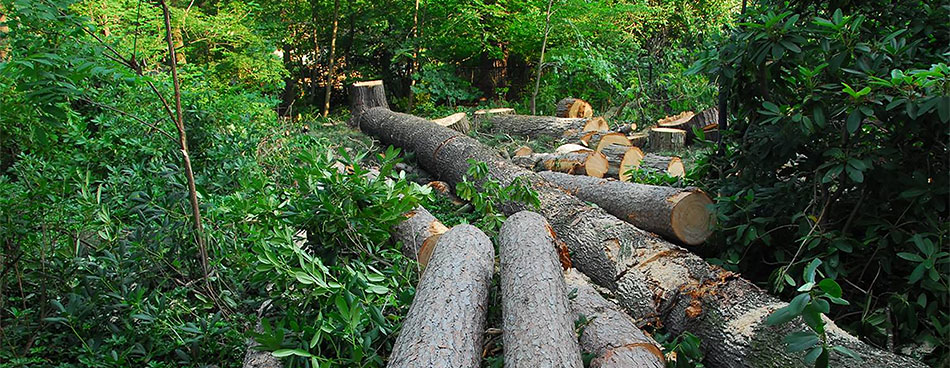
[[446, 321], [639, 139], [649, 276], [678, 214], [599, 140], [670, 165], [480, 117], [667, 139], [419, 233], [535, 126], [573, 108], [588, 163], [621, 159], [538, 328], [699, 121], [364, 96], [609, 334], [458, 122], [627, 128]]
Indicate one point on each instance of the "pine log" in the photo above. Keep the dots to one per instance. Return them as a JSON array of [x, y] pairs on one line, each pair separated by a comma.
[[446, 322], [621, 159], [669, 165], [536, 317], [419, 234], [639, 139], [649, 276], [667, 139], [599, 140], [458, 122], [610, 335], [523, 151], [678, 214], [481, 116], [573, 108], [364, 96], [570, 147], [535, 126], [588, 163]]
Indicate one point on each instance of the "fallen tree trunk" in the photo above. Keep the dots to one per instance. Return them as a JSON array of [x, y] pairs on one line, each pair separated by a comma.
[[599, 140], [481, 116], [677, 214], [701, 121], [649, 276], [609, 334], [669, 165], [588, 163], [573, 108], [364, 96], [458, 122], [639, 139], [538, 126], [419, 233], [446, 322], [621, 159], [667, 139], [538, 328]]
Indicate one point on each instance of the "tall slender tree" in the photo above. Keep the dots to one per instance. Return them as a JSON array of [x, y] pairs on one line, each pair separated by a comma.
[[414, 68], [544, 44], [331, 75]]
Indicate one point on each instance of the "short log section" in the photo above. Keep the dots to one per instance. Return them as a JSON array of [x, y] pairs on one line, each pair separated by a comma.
[[621, 159], [669, 165], [457, 122], [446, 322], [573, 108], [588, 163], [536, 317], [667, 139]]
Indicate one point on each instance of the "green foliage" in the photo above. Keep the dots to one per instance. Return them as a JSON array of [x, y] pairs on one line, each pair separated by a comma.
[[486, 195], [682, 351], [837, 141], [439, 84]]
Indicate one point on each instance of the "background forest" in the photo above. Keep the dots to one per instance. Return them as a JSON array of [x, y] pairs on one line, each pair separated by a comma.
[[833, 160]]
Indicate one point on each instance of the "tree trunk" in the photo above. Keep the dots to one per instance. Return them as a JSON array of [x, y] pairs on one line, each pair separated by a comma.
[[609, 334], [599, 140], [701, 121], [446, 321], [677, 214], [639, 139], [419, 234], [544, 44], [538, 326], [331, 76], [458, 122], [480, 117], [588, 163], [414, 66], [669, 165], [621, 159], [627, 128], [667, 139], [649, 276], [536, 126], [364, 96], [573, 108]]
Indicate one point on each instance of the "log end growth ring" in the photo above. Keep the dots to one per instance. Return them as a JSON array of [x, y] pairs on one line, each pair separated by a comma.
[[691, 220]]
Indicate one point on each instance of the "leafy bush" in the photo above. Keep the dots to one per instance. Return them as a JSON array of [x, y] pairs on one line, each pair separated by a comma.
[[837, 150], [486, 195], [438, 84]]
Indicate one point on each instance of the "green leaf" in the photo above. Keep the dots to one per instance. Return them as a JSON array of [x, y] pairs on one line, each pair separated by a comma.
[[847, 352], [856, 175], [910, 257], [288, 352], [806, 287], [809, 273], [801, 341], [830, 287], [918, 273], [771, 107], [377, 289], [854, 121]]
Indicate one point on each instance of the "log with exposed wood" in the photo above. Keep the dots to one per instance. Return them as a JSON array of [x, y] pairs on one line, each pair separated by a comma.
[[419, 234], [597, 124], [364, 96], [571, 147], [674, 120], [639, 139], [608, 333], [481, 116], [599, 140], [536, 317], [523, 151], [458, 122], [573, 108], [678, 214], [667, 139], [621, 159], [669, 165], [446, 322], [649, 276], [704, 121], [539, 126], [627, 128], [588, 163]]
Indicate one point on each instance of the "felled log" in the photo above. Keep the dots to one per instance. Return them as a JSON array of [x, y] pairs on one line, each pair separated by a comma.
[[669, 165], [573, 108], [667, 139], [597, 124], [571, 147], [588, 163], [599, 140], [620, 159], [678, 214], [649, 276], [364, 96], [702, 121], [538, 126], [481, 116], [523, 151], [609, 334], [458, 122], [446, 321], [639, 139], [673, 120], [419, 234], [627, 128], [536, 318]]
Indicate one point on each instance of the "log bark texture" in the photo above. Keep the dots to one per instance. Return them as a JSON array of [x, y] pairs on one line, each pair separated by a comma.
[[588, 163], [649, 276], [536, 318], [639, 139], [667, 139], [458, 122], [678, 214], [573, 108], [670, 165], [364, 96], [610, 334], [419, 234], [535, 126], [621, 159], [701, 121], [481, 116], [446, 322]]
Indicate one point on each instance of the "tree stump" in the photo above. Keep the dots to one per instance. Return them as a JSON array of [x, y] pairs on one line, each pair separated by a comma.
[[667, 139], [458, 122], [669, 165], [446, 322], [364, 96], [536, 317], [706, 120], [573, 108]]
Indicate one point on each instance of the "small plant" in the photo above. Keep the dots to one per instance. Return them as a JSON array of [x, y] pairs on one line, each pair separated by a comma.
[[486, 195], [682, 351]]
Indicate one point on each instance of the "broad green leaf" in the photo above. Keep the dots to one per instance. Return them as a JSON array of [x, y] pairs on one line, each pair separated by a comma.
[[854, 121], [801, 341], [830, 287], [809, 273]]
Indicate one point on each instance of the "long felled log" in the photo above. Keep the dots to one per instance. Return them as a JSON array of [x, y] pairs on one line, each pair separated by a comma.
[[609, 333], [648, 275], [669, 165], [481, 116], [588, 163], [538, 126], [458, 122], [419, 234], [621, 159], [536, 319], [678, 214], [573, 108], [446, 321], [364, 96]]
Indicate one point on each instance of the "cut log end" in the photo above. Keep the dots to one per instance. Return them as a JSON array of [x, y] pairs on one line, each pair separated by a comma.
[[570, 147], [631, 159], [596, 165], [596, 124], [612, 138], [691, 219], [676, 168], [523, 151], [457, 122], [574, 108]]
